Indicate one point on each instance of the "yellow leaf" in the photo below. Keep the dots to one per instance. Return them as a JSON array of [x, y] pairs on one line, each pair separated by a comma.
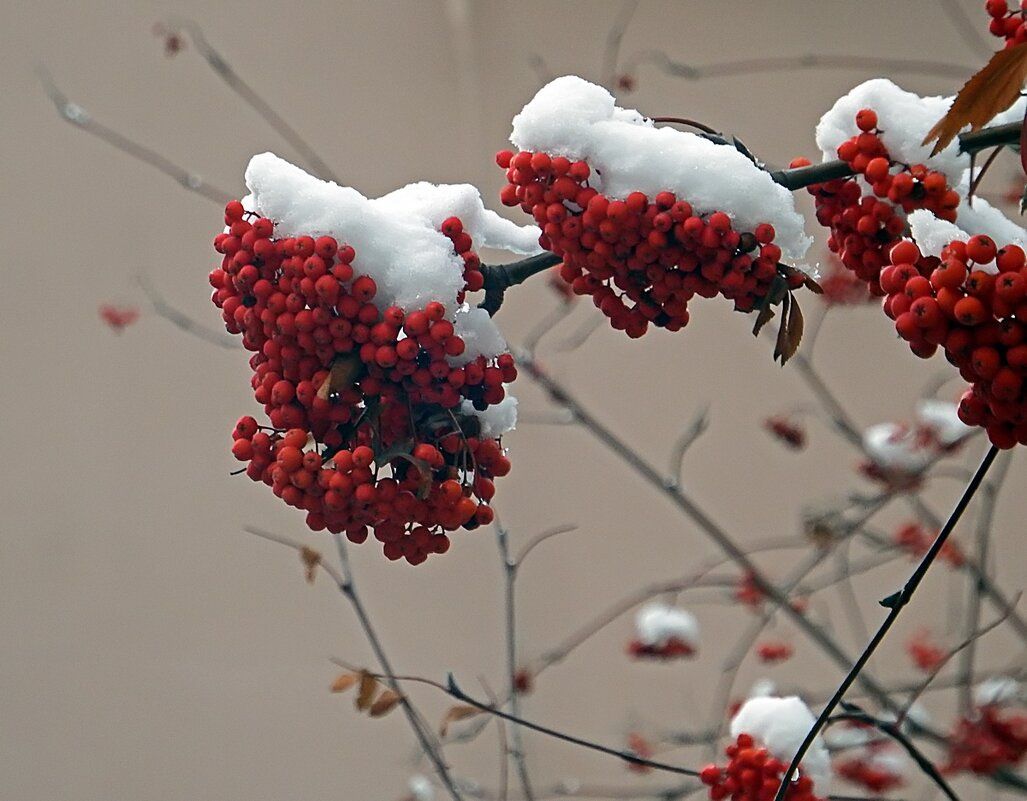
[[991, 91], [311, 559], [368, 690], [456, 713], [384, 704], [344, 681]]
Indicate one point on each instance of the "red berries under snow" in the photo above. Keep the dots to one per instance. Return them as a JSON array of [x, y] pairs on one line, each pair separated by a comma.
[[664, 632], [386, 405]]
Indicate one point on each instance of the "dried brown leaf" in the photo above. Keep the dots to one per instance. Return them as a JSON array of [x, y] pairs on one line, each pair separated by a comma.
[[456, 713], [311, 559], [344, 681], [990, 91], [795, 327], [384, 704], [343, 375], [781, 345], [368, 690]]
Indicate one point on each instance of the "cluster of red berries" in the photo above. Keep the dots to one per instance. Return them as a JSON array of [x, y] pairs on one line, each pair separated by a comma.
[[926, 655], [864, 771], [366, 429], [978, 315], [915, 539], [670, 648], [1006, 24], [987, 740], [787, 431], [641, 259], [771, 652], [640, 747], [752, 774], [864, 226]]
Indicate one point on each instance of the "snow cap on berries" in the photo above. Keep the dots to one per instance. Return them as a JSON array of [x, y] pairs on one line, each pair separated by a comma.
[[780, 725], [893, 446], [574, 118], [905, 120], [421, 788], [656, 624], [396, 237], [933, 235], [998, 690], [497, 419], [942, 419]]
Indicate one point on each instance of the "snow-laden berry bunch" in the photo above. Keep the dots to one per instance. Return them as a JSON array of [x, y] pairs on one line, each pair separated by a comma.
[[386, 393], [645, 218], [768, 732], [664, 632]]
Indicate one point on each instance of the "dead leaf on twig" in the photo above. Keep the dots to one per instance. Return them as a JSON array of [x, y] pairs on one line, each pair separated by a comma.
[[344, 681], [384, 704], [311, 559], [343, 375], [368, 690], [990, 91], [456, 713]]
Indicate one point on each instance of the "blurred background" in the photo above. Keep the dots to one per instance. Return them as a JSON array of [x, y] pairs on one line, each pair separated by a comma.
[[152, 649]]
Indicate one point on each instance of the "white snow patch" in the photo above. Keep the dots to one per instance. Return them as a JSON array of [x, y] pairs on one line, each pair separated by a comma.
[[780, 725], [897, 447], [998, 690], [656, 624], [480, 335], [942, 418], [421, 788], [497, 419], [932, 235], [627, 153], [396, 237]]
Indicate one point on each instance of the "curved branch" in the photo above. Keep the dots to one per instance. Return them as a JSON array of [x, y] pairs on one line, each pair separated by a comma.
[[499, 277]]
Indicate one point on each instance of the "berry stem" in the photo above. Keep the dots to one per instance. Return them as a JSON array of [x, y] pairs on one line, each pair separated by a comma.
[[454, 690], [498, 277], [800, 177], [895, 603]]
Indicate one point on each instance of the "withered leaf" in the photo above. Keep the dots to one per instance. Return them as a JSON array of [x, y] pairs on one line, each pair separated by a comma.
[[311, 559], [990, 91], [368, 690], [781, 345], [344, 681], [1023, 146], [778, 290], [343, 374], [1023, 201], [456, 713], [795, 327], [384, 704]]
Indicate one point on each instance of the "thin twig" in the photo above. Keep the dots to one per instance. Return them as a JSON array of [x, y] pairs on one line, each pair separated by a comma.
[[182, 320], [225, 71], [538, 539], [964, 680], [454, 690], [510, 623], [894, 603], [82, 119], [893, 731], [614, 37], [431, 749], [560, 395]]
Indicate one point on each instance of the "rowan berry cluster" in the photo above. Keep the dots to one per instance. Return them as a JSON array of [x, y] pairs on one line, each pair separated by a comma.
[[752, 774], [671, 648], [869, 770], [641, 259], [771, 652], [1006, 24], [971, 301], [986, 740], [916, 540], [863, 225], [926, 654], [372, 424]]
